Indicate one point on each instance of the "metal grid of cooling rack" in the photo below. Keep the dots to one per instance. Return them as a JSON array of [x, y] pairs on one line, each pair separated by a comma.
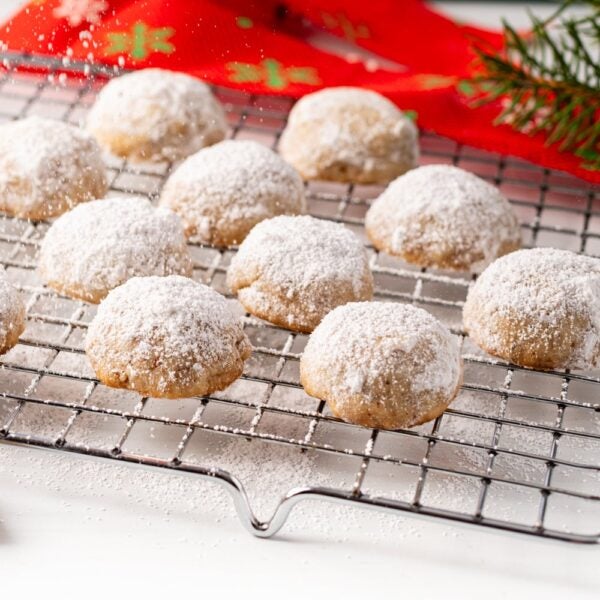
[[518, 450]]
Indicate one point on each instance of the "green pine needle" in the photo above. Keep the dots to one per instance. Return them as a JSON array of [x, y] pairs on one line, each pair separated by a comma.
[[548, 81]]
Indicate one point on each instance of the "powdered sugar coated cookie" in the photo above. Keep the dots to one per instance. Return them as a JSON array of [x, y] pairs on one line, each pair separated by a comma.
[[155, 114], [350, 135], [293, 270], [47, 167], [12, 315], [100, 245], [221, 192], [168, 337], [538, 308], [444, 217], [382, 364]]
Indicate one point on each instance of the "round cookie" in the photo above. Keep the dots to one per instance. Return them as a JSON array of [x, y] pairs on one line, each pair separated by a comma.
[[223, 191], [350, 135], [292, 271], [101, 244], [444, 217], [47, 167], [538, 308], [167, 337], [155, 115], [382, 364], [12, 316]]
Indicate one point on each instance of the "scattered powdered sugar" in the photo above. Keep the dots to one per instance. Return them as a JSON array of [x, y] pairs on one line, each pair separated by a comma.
[[445, 214], [101, 244], [221, 192], [361, 342], [172, 329], [47, 165], [168, 108], [349, 125], [161, 495], [548, 291], [12, 312]]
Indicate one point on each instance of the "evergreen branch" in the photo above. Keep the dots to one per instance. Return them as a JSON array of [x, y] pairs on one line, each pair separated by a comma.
[[549, 81]]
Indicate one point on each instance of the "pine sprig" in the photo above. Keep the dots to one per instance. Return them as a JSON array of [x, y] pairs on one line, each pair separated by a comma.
[[549, 81]]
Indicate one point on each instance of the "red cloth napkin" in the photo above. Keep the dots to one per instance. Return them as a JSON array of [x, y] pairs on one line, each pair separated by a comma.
[[269, 47]]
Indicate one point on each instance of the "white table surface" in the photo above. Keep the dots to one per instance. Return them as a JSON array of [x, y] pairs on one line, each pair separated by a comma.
[[75, 528]]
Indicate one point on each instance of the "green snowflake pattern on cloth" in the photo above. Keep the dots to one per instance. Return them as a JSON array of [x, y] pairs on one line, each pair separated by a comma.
[[140, 41], [271, 73], [340, 22], [244, 22]]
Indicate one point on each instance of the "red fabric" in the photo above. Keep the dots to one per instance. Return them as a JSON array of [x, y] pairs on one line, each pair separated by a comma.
[[263, 47]]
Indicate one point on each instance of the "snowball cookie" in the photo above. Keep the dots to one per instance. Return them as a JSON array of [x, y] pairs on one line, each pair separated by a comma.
[[538, 308], [100, 245], [292, 271], [382, 364], [12, 316], [155, 115], [223, 191], [167, 337], [350, 135], [47, 167], [444, 217]]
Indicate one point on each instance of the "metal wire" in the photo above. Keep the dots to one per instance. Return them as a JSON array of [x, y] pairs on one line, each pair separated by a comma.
[[536, 435]]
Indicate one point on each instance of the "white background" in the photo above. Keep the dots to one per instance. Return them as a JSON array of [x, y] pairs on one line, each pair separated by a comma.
[[82, 528]]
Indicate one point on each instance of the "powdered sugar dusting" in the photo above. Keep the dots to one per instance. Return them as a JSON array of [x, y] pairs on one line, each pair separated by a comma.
[[101, 244], [553, 293], [440, 215], [171, 328], [221, 192], [175, 112], [47, 166], [296, 251], [168, 497]]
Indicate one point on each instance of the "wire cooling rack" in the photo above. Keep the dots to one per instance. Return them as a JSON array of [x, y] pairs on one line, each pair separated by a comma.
[[518, 450]]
